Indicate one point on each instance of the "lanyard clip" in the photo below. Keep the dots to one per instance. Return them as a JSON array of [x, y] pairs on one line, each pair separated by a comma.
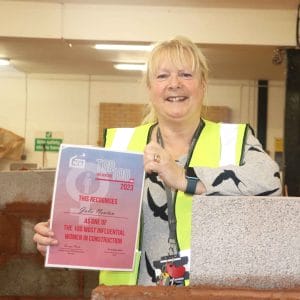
[[172, 246]]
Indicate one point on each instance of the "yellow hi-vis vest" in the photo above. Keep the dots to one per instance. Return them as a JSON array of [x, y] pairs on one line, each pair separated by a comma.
[[219, 144]]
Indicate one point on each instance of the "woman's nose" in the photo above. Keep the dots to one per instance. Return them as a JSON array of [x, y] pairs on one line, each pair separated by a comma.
[[174, 81]]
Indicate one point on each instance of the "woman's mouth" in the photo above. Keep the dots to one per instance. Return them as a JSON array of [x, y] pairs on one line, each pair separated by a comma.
[[176, 98]]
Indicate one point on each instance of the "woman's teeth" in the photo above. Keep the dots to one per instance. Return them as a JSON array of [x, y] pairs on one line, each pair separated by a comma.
[[176, 99]]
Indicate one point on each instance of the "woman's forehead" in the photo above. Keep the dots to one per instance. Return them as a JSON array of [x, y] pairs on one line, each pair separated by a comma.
[[172, 63]]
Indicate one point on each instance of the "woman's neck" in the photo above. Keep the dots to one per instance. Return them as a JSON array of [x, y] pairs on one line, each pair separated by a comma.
[[176, 139]]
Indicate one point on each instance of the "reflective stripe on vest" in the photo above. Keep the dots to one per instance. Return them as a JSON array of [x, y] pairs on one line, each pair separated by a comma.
[[121, 139], [219, 144], [232, 136], [134, 139]]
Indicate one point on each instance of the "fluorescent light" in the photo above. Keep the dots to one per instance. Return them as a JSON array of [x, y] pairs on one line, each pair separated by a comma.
[[131, 67], [4, 62], [123, 47]]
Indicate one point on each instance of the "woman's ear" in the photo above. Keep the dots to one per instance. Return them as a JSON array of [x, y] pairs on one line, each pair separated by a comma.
[[203, 84]]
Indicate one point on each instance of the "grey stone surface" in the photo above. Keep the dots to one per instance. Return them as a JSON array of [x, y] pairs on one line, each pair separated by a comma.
[[246, 242], [27, 232], [91, 280], [27, 277], [35, 185]]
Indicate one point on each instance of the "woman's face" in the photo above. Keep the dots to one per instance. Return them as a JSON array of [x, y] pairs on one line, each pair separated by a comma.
[[176, 93]]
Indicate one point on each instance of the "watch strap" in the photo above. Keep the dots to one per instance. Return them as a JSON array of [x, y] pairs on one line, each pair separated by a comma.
[[191, 185]]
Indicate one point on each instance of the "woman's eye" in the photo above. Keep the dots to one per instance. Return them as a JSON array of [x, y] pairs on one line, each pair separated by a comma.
[[162, 76], [186, 75]]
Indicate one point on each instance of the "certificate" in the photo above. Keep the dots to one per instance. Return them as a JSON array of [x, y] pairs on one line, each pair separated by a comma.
[[96, 208]]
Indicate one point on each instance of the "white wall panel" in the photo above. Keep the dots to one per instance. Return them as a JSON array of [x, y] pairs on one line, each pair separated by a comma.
[[56, 106], [13, 103]]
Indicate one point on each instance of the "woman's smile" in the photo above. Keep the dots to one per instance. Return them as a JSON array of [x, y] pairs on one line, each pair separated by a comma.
[[176, 98]]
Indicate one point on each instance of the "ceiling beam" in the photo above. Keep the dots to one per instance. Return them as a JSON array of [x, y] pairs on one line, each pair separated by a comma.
[[148, 23]]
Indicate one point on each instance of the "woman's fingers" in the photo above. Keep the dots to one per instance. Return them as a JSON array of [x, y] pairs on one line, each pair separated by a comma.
[[41, 249], [160, 161], [43, 237], [152, 157], [44, 240]]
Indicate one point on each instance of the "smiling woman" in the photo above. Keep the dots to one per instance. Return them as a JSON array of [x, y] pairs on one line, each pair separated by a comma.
[[184, 155]]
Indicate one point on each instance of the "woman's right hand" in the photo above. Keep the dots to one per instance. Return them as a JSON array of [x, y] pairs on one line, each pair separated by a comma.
[[43, 237]]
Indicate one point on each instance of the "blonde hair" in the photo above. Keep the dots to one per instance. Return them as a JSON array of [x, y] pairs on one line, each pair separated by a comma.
[[180, 51]]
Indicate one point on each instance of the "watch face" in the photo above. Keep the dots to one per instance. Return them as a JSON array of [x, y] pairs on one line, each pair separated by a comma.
[[190, 172]]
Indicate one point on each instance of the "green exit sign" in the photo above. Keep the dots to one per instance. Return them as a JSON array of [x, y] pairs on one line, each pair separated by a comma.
[[47, 144]]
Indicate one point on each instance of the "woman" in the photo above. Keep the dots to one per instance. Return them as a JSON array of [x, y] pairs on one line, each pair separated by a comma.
[[184, 155]]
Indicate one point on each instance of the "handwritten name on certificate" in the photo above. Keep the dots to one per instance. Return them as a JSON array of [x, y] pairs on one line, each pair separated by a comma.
[[96, 208]]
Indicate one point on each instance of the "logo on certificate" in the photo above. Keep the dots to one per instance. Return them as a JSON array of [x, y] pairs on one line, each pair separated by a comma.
[[77, 162]]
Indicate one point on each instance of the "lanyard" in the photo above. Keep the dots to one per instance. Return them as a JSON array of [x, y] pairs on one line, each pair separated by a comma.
[[173, 246]]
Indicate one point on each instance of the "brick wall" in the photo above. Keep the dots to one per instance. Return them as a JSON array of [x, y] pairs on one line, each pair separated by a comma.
[[25, 198]]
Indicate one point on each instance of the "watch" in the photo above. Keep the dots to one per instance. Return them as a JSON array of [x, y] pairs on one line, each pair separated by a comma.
[[192, 181]]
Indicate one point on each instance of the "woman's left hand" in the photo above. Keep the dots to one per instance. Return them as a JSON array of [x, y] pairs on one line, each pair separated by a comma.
[[157, 159]]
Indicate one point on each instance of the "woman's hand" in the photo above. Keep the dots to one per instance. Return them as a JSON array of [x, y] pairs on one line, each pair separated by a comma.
[[157, 159], [43, 237]]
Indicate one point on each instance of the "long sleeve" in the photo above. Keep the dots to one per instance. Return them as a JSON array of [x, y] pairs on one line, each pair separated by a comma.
[[257, 175]]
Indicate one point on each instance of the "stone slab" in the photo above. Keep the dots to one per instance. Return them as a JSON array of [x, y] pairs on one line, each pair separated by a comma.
[[26, 276], [35, 186], [251, 242]]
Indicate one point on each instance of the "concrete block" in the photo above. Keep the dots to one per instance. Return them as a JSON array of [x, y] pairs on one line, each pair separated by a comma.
[[27, 232], [26, 276], [91, 280], [25, 208], [9, 234], [22, 185], [246, 242]]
